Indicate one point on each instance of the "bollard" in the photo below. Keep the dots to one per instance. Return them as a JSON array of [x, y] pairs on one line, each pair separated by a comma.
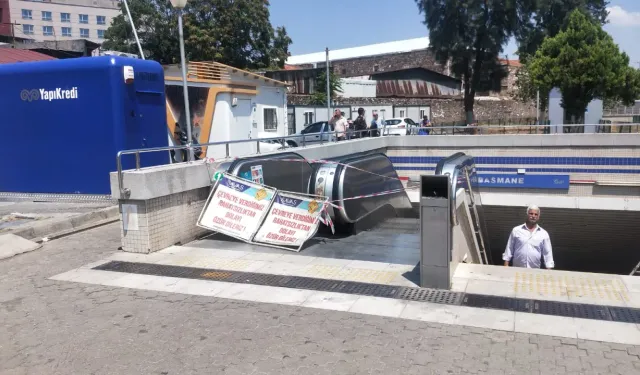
[[435, 232]]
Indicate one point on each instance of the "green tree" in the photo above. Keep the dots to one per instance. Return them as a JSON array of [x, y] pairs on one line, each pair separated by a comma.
[[583, 61], [469, 34], [157, 28], [319, 96], [548, 17], [546, 20], [233, 32]]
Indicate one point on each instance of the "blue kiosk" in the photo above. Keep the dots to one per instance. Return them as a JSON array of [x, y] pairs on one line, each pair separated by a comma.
[[64, 121]]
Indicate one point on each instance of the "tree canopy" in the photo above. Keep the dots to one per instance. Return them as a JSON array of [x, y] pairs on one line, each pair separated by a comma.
[[233, 32], [319, 96], [583, 61], [547, 19], [470, 35]]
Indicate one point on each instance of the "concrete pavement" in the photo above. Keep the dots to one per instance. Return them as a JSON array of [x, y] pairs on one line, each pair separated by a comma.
[[60, 327]]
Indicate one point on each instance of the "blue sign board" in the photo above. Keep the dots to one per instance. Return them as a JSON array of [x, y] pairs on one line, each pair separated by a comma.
[[532, 181]]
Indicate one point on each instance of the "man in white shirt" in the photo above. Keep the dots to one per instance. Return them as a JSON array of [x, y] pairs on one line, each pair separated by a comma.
[[528, 243], [340, 124]]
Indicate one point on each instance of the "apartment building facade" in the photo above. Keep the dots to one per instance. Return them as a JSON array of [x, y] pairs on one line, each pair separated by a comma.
[[45, 20]]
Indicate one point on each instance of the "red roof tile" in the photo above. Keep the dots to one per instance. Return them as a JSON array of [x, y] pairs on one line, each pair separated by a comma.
[[12, 55], [511, 62]]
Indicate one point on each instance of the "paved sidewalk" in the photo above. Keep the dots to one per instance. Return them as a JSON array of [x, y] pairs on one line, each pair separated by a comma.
[[55, 327]]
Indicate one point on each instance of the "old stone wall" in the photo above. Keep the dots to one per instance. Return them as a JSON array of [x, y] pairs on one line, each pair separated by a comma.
[[443, 110], [364, 66]]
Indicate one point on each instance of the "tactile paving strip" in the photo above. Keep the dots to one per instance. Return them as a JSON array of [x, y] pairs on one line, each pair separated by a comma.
[[567, 309]]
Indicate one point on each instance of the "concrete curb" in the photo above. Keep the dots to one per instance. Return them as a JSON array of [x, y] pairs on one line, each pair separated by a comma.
[[12, 245], [68, 225]]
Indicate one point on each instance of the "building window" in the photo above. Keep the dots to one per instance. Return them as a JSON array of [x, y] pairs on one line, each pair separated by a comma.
[[422, 113], [376, 68], [65, 17], [402, 113], [47, 30], [66, 31], [26, 14], [343, 71], [101, 20], [83, 18], [100, 34], [84, 33], [270, 119], [308, 118], [27, 29], [46, 16]]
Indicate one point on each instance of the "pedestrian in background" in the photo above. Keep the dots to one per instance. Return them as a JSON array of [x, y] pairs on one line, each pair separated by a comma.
[[529, 243], [424, 125], [375, 125], [360, 124], [339, 124]]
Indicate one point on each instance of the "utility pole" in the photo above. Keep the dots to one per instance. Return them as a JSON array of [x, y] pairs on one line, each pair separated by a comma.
[[538, 107], [133, 27], [328, 88]]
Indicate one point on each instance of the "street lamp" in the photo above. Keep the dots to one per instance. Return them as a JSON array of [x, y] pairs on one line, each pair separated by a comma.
[[179, 6]]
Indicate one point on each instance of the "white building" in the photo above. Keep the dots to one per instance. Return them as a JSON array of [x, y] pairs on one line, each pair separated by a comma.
[[57, 19], [361, 51], [227, 104]]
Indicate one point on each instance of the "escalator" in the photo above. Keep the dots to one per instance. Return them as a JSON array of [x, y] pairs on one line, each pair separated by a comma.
[[351, 184], [342, 179], [379, 228], [461, 170]]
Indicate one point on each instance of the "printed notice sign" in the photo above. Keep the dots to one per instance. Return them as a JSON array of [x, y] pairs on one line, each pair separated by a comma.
[[292, 220], [256, 174], [236, 207]]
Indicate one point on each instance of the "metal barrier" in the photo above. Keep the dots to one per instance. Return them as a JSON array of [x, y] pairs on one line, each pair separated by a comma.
[[360, 134], [126, 192]]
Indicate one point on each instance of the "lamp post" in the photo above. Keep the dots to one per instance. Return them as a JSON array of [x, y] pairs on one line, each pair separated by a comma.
[[179, 6]]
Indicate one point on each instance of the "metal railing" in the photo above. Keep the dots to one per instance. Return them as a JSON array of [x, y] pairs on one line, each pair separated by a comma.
[[622, 111], [331, 137]]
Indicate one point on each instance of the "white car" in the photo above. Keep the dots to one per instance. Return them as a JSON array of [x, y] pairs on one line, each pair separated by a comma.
[[399, 126]]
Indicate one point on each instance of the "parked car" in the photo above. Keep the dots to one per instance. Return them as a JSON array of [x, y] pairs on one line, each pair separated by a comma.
[[314, 133], [399, 126]]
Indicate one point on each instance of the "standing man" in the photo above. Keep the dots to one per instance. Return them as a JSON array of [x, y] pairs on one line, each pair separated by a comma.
[[375, 125], [528, 243], [360, 124], [339, 124]]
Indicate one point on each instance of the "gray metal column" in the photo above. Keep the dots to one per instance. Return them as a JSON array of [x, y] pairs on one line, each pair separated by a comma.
[[435, 232]]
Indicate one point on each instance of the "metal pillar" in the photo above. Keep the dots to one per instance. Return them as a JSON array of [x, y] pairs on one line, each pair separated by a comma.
[[328, 88], [435, 232], [133, 27], [185, 87]]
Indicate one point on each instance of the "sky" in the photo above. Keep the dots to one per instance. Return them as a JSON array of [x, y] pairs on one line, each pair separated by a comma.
[[314, 25]]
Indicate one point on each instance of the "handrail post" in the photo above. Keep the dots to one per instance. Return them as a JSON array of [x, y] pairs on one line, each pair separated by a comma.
[[137, 160], [258, 146], [124, 193], [227, 147]]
